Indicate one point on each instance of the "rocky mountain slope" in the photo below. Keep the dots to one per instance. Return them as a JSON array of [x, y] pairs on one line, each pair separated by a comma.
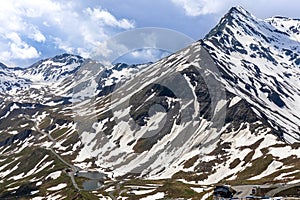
[[223, 110]]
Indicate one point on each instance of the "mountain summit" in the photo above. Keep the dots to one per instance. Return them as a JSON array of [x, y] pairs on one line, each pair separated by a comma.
[[224, 110], [262, 64]]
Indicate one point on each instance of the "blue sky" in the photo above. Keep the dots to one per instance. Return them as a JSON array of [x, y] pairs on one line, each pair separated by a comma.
[[33, 30]]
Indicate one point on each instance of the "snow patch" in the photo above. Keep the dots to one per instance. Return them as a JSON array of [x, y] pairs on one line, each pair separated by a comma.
[[158, 195], [58, 187]]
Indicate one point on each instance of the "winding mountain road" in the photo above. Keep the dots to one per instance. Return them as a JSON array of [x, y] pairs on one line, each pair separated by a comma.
[[74, 168]]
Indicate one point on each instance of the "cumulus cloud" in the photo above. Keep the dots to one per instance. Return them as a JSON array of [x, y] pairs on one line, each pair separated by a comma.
[[201, 7], [103, 17], [20, 49], [30, 28], [63, 45], [35, 34], [23, 51]]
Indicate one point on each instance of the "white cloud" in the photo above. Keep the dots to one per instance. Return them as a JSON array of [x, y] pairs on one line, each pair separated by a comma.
[[28, 27], [18, 49], [63, 45], [102, 49], [16, 29], [103, 17], [36, 34], [83, 52], [201, 7], [14, 37], [23, 51]]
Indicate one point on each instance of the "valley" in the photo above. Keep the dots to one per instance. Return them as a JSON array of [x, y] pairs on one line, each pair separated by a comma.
[[222, 111]]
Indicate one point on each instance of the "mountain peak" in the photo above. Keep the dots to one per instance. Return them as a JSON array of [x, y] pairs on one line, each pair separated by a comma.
[[66, 58], [238, 12], [253, 49], [236, 16], [238, 9], [65, 55]]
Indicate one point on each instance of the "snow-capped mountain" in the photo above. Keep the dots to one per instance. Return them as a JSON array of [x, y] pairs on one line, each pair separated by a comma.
[[44, 72], [261, 62], [53, 69], [62, 77], [286, 25], [9, 80], [223, 110]]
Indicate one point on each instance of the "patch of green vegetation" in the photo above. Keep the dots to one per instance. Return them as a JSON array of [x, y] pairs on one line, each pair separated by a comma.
[[34, 155], [258, 166], [291, 161], [28, 159], [211, 197], [45, 123], [64, 178], [59, 132], [72, 139], [190, 176], [22, 192], [143, 182], [88, 195], [174, 189], [171, 188]]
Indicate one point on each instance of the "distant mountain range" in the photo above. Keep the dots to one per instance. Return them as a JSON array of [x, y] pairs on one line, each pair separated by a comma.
[[224, 110]]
